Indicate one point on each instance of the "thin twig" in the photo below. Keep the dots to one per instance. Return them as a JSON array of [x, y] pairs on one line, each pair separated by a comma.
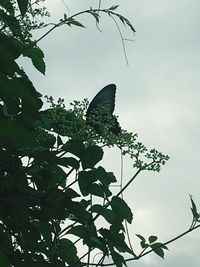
[[122, 39]]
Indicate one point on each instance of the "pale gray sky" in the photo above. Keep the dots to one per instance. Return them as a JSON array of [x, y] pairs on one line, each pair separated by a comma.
[[158, 97]]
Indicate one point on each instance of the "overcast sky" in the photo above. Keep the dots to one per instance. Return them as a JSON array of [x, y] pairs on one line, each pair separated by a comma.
[[158, 97]]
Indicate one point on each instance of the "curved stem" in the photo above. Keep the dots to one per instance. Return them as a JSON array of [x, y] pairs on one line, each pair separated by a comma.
[[68, 19]]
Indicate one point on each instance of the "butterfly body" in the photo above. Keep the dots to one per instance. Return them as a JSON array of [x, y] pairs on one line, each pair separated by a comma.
[[104, 99]]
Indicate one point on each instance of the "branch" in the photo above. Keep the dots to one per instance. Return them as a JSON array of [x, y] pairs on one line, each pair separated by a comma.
[[90, 11], [149, 251]]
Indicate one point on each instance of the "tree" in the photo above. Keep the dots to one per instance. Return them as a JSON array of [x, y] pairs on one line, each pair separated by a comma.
[[53, 190]]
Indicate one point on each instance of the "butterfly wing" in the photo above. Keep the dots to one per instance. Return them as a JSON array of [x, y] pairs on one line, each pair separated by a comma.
[[105, 98]]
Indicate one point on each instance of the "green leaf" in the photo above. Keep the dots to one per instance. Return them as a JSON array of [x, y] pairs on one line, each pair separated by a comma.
[[121, 209], [56, 175], [3, 260], [46, 231], [66, 162], [106, 178], [67, 250], [74, 22], [23, 5], [78, 230], [194, 210], [11, 132], [113, 7], [104, 212], [95, 15], [152, 239], [78, 209], [84, 181], [7, 64], [143, 241], [74, 146], [118, 259], [96, 190], [91, 156], [115, 239], [59, 141], [158, 248], [19, 95], [37, 57]]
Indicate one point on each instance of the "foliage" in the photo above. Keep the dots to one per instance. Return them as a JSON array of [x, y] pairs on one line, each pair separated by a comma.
[[53, 190]]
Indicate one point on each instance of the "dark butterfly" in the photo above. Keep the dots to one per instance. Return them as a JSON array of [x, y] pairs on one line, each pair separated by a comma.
[[106, 99]]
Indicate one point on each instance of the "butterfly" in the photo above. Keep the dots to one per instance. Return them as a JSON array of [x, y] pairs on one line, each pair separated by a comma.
[[105, 98]]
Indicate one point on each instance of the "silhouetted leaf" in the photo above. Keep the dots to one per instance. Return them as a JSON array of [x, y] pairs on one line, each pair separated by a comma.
[[108, 214], [11, 132], [194, 209], [118, 259], [67, 250], [143, 241], [23, 5], [115, 240], [74, 146], [152, 239], [78, 230], [4, 260], [72, 21], [121, 209], [67, 162], [158, 248], [37, 57], [91, 156]]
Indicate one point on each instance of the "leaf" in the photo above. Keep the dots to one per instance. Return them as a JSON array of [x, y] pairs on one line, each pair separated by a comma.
[[23, 5], [118, 259], [11, 132], [143, 243], [56, 175], [78, 209], [91, 156], [113, 7], [115, 239], [67, 250], [84, 181], [152, 239], [37, 57], [3, 260], [46, 231], [66, 162], [158, 248], [95, 15], [72, 21], [78, 230], [19, 95], [76, 23], [7, 64], [96, 190], [59, 141], [104, 212], [194, 209], [121, 209], [74, 146], [106, 178]]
